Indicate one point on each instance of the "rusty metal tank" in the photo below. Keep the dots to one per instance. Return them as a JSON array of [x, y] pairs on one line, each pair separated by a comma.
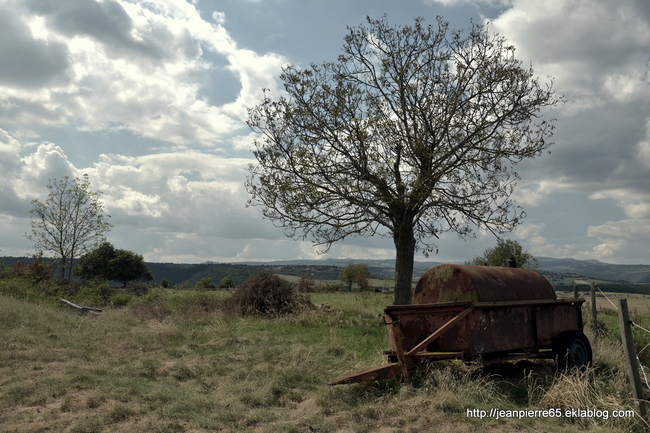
[[480, 312], [445, 283]]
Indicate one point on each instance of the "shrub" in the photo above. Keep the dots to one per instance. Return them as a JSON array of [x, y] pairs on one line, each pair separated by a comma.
[[206, 283], [185, 285], [120, 299], [18, 288], [265, 294], [95, 293], [36, 271], [227, 282], [69, 288], [164, 283], [139, 288], [5, 270], [363, 285]]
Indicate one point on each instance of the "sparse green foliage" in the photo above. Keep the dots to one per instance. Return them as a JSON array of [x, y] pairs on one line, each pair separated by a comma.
[[70, 221], [121, 299], [5, 270], [499, 255], [227, 282], [356, 273], [363, 284], [107, 263], [95, 293], [413, 131], [164, 283], [205, 283], [347, 275]]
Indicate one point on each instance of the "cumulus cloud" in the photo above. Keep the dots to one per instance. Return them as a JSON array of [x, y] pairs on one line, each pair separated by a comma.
[[28, 62], [180, 193], [643, 147], [151, 72], [186, 200], [137, 66], [109, 66], [25, 178], [10, 167], [614, 238], [597, 53], [531, 238], [478, 3], [595, 49], [623, 240], [530, 197]]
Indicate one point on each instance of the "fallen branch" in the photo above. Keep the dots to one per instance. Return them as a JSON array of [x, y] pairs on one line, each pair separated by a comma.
[[81, 308]]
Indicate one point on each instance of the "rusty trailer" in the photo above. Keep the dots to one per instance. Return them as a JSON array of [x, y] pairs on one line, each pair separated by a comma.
[[481, 313]]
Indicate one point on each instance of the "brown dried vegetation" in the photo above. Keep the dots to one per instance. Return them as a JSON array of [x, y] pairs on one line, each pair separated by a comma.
[[266, 294]]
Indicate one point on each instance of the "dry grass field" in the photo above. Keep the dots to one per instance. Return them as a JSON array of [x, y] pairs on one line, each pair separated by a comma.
[[172, 361]]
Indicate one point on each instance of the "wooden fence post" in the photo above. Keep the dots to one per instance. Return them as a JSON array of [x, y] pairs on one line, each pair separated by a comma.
[[594, 311], [575, 290], [632, 363]]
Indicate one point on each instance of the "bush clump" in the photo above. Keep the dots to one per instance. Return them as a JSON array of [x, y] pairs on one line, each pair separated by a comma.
[[95, 293], [265, 294]]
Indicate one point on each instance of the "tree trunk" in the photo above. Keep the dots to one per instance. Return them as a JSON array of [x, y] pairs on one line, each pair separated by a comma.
[[405, 251], [64, 261], [70, 268]]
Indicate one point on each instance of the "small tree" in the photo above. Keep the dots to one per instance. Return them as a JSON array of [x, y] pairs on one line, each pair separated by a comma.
[[347, 275], [37, 270], [499, 255], [205, 283], [227, 282], [98, 263], [70, 221], [413, 131], [355, 273], [306, 282], [129, 266], [361, 278], [107, 263]]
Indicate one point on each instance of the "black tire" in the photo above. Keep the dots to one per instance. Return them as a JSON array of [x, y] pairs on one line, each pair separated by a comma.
[[572, 350]]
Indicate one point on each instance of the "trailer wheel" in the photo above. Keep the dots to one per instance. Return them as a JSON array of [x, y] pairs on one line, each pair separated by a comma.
[[572, 350]]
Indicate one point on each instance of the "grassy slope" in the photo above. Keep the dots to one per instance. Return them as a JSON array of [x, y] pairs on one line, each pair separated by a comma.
[[172, 363]]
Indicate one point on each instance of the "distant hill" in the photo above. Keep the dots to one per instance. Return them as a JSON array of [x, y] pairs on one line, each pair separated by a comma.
[[329, 269], [584, 268], [596, 269]]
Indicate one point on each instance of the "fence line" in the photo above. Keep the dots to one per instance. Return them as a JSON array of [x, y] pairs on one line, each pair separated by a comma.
[[602, 293], [641, 366]]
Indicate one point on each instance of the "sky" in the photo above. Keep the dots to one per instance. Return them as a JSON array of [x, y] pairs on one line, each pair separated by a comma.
[[150, 98]]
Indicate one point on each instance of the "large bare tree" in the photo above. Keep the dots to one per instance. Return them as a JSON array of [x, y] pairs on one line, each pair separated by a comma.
[[70, 221], [413, 131]]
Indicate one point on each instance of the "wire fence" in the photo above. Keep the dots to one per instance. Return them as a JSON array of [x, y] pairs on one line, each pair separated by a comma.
[[636, 325]]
